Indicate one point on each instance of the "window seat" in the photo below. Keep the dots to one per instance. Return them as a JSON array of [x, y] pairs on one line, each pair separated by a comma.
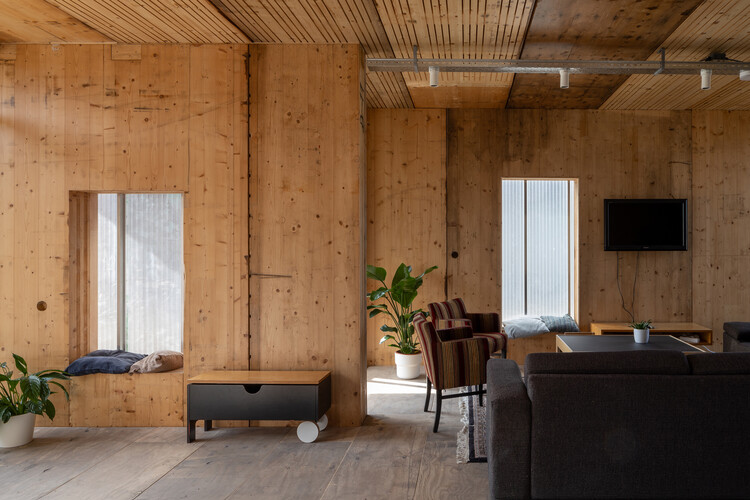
[[128, 400]]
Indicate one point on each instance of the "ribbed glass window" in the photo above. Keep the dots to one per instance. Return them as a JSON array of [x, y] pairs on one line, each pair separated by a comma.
[[538, 251], [140, 272]]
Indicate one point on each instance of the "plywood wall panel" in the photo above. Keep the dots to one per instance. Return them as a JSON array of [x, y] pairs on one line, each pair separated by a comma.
[[75, 120], [721, 245], [613, 155], [406, 205], [306, 227]]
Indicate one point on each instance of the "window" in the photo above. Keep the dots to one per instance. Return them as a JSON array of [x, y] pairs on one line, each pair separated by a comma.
[[140, 279], [538, 247]]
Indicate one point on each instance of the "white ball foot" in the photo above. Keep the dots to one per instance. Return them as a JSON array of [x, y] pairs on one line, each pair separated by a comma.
[[323, 422], [307, 432]]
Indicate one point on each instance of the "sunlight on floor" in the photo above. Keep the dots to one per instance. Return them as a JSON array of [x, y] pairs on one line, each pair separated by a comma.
[[383, 380]]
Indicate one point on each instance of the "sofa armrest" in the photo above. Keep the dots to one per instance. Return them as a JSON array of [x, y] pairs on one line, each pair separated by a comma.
[[485, 322], [455, 333], [738, 330], [508, 431]]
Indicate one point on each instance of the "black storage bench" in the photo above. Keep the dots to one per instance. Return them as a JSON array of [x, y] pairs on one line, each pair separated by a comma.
[[260, 395]]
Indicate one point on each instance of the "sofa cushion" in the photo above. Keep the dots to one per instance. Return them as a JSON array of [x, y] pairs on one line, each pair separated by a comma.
[[560, 324], [526, 326], [721, 363], [635, 362], [740, 330]]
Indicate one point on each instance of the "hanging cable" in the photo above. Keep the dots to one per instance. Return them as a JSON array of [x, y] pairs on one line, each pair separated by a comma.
[[631, 311]]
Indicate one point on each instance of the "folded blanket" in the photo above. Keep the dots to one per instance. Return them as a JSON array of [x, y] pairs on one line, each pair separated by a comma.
[[529, 326]]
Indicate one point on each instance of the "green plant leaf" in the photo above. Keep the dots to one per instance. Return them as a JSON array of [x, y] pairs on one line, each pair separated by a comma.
[[386, 328], [375, 312], [44, 391], [428, 270], [387, 337], [20, 364], [376, 294], [376, 273], [31, 387], [5, 415], [377, 306], [49, 409], [67, 396], [401, 273]]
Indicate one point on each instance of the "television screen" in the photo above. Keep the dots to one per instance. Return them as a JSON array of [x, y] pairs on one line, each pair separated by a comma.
[[645, 224]]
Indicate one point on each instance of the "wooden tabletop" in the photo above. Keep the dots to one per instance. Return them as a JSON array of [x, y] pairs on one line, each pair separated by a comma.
[[611, 343], [659, 327], [260, 377]]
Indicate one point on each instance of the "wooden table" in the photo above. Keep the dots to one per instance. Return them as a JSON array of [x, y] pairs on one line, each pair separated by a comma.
[[617, 343], [260, 395], [660, 328]]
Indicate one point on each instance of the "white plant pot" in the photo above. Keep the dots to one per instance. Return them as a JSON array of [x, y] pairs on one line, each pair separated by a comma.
[[640, 336], [407, 365], [18, 431]]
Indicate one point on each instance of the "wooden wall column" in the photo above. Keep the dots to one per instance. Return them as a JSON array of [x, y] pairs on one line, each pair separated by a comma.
[[307, 216]]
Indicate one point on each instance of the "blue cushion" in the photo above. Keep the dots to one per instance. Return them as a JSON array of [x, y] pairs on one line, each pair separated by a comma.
[[104, 361]]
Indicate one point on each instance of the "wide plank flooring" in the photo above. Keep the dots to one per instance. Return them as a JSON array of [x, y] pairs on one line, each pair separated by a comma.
[[394, 455]]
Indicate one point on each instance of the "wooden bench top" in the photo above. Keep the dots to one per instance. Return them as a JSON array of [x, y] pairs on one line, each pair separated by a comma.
[[260, 377]]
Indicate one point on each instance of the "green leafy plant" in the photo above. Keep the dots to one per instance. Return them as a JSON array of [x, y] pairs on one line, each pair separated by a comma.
[[398, 300], [28, 393], [640, 325]]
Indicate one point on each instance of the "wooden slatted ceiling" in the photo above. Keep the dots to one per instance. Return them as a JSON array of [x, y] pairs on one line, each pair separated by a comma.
[[717, 25], [36, 21], [154, 21], [323, 21], [591, 29], [476, 29]]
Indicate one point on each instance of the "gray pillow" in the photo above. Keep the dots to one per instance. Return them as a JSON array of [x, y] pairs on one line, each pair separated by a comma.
[[527, 326], [560, 324]]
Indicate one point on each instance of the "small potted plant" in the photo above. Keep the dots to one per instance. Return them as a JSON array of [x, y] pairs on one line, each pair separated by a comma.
[[398, 300], [22, 398], [641, 331]]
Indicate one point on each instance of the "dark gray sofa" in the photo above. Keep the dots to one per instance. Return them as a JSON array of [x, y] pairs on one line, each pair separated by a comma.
[[737, 336], [644, 424]]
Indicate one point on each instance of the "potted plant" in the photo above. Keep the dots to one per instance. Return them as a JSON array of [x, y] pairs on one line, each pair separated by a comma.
[[397, 305], [22, 398], [640, 331]]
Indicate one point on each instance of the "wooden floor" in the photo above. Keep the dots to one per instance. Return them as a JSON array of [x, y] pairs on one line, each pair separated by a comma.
[[394, 455]]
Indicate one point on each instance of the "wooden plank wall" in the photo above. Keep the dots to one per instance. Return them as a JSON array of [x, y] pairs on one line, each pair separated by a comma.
[[307, 225], [721, 219], [406, 205], [74, 119]]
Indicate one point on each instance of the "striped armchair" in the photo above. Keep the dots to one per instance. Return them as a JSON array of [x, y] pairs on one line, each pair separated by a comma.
[[487, 325], [453, 357]]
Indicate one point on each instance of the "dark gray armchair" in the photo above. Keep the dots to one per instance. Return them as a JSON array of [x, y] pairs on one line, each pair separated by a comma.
[[737, 336]]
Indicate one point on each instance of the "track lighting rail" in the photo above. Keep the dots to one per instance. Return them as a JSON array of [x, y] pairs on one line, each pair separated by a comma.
[[555, 66]]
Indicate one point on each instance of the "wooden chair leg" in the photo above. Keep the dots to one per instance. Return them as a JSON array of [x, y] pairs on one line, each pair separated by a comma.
[[438, 404], [429, 391]]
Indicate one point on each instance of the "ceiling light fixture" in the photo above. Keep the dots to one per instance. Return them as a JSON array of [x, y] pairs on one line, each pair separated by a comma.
[[716, 66], [434, 74], [564, 78], [705, 79]]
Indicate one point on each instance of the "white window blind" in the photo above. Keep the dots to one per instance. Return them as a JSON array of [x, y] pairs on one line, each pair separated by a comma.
[[148, 275], [537, 247]]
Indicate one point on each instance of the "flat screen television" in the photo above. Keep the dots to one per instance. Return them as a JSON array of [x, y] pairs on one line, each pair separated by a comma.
[[645, 224]]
